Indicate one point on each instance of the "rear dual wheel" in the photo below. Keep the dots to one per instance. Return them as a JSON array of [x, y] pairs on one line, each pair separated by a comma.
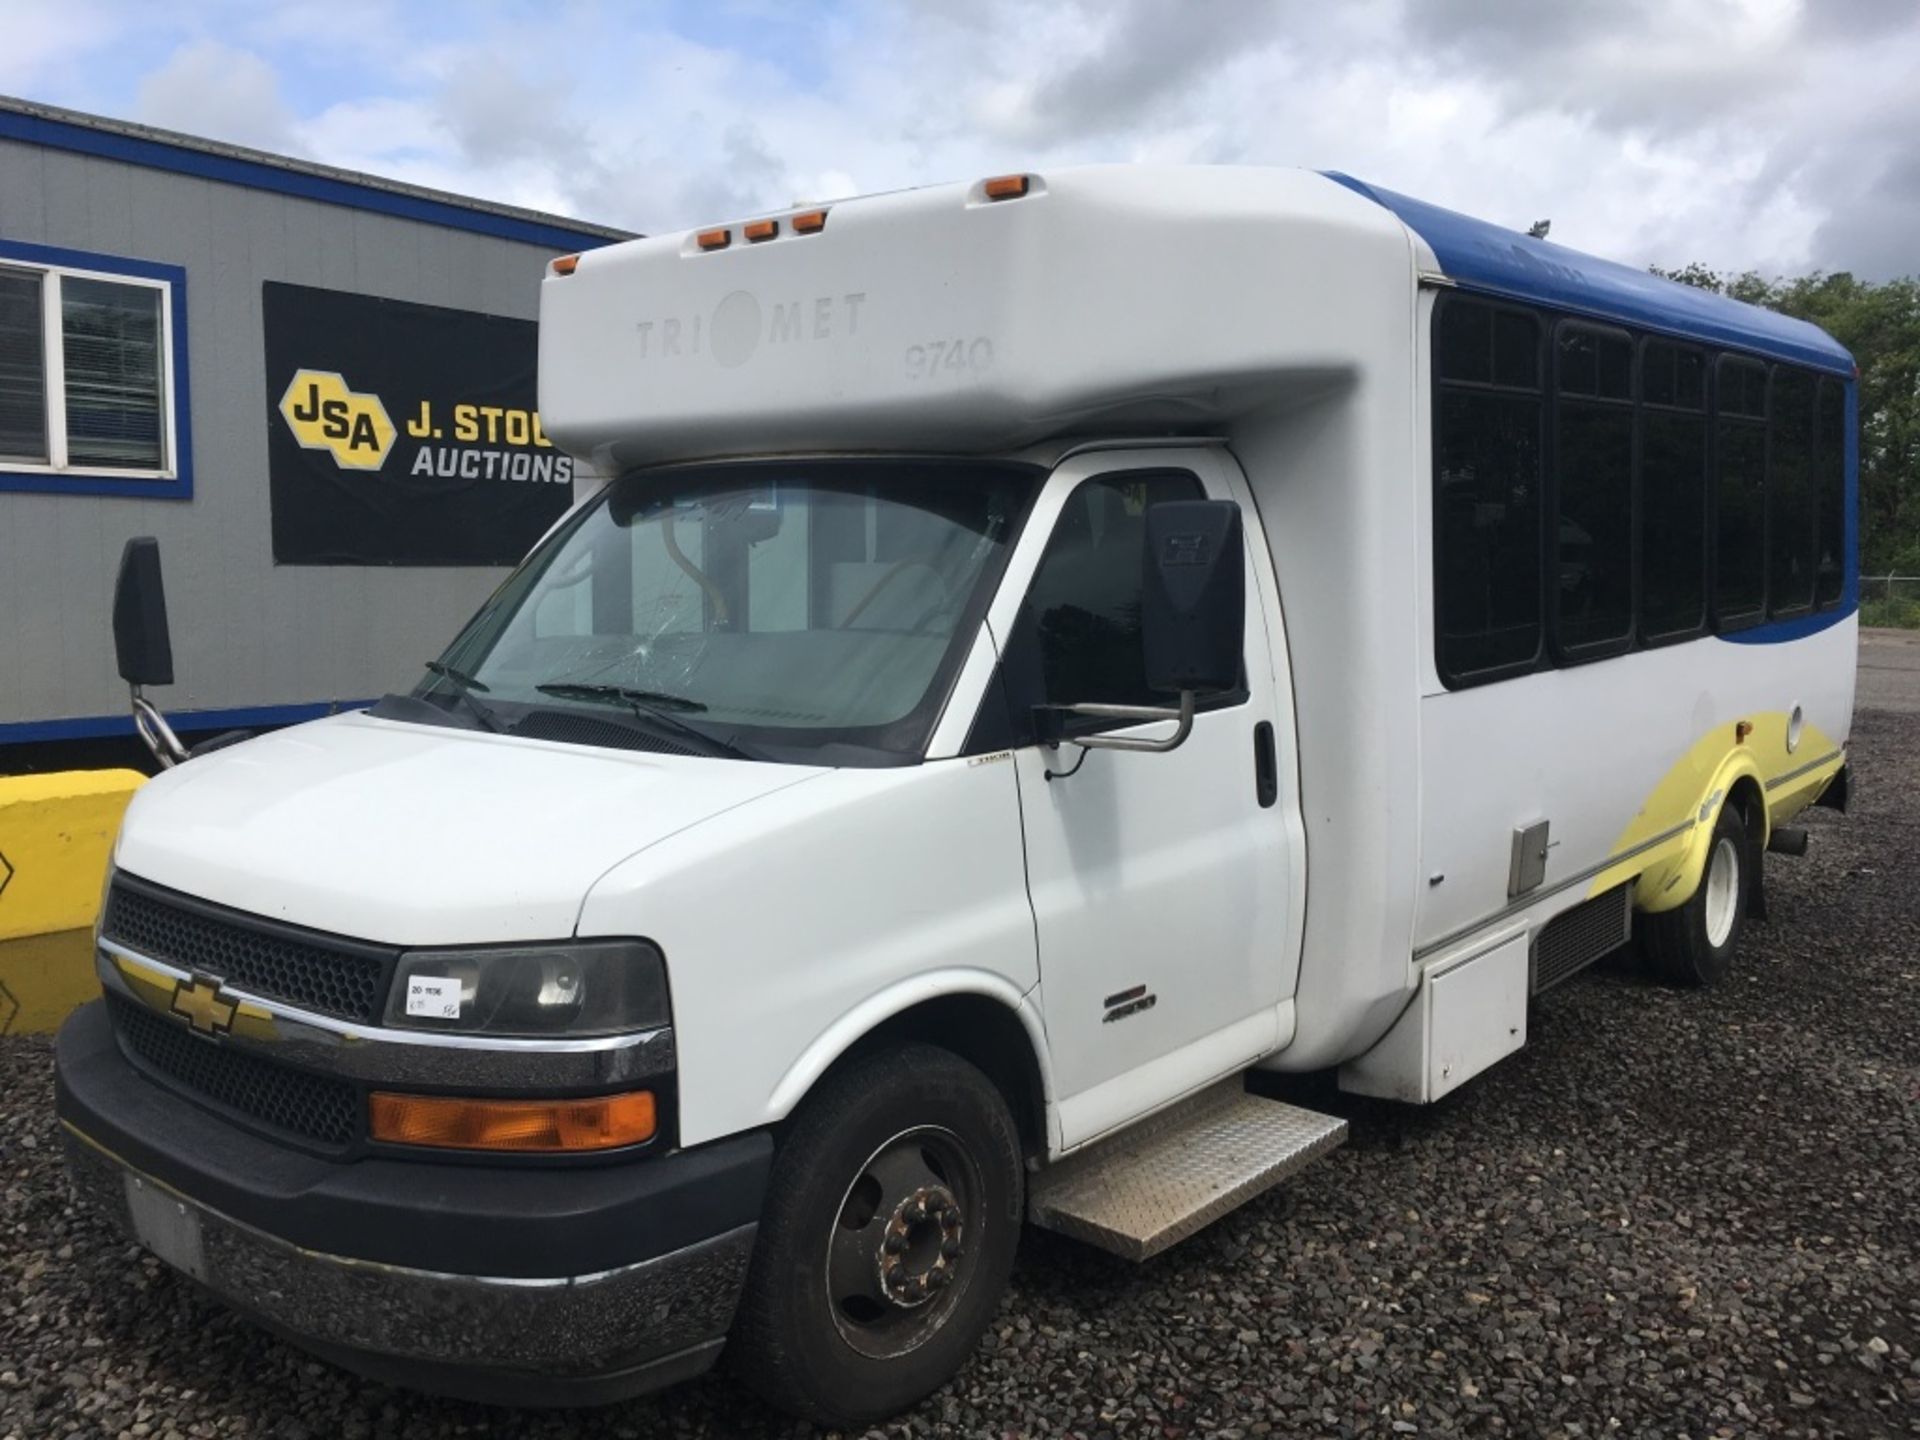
[[1693, 944], [892, 1217]]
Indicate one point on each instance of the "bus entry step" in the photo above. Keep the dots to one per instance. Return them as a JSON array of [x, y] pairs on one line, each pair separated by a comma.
[[1157, 1183]]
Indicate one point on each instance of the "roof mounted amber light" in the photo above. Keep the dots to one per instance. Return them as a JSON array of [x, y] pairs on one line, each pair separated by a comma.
[[758, 230], [809, 222], [1006, 187], [602, 1122], [565, 264], [714, 239]]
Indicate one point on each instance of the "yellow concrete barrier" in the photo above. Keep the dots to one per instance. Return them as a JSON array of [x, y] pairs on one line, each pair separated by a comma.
[[56, 832]]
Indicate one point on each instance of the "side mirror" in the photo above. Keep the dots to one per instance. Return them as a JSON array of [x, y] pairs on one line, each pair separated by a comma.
[[1193, 610], [140, 639], [1193, 622], [141, 643]]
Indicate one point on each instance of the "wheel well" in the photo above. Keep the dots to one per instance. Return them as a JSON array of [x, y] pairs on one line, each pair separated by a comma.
[[1752, 803], [986, 1034]]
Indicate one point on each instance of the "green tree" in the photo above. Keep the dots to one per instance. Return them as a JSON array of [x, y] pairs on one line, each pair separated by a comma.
[[1880, 324]]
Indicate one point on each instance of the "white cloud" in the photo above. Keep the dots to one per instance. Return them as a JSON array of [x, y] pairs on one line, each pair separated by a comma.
[[1774, 134], [207, 87]]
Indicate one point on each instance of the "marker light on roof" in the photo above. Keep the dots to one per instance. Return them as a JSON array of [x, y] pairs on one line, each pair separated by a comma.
[[809, 222], [757, 230], [1006, 187], [565, 264], [714, 239]]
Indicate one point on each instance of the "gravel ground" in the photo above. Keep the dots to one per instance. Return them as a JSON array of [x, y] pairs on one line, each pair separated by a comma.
[[1672, 1214]]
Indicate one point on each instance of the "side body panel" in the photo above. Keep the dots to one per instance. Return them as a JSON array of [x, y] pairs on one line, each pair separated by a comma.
[[1628, 758], [795, 925], [1327, 465]]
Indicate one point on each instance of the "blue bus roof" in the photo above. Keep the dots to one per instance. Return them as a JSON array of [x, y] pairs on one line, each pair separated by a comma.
[[1482, 256]]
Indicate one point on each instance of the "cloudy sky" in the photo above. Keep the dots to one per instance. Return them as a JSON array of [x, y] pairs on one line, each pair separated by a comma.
[[1780, 135]]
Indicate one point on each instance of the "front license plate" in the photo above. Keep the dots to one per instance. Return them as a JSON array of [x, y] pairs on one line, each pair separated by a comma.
[[166, 1227]]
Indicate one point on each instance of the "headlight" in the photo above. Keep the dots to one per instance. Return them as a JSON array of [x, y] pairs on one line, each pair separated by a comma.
[[597, 987]]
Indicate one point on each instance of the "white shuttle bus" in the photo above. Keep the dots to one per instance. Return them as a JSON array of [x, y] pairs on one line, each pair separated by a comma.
[[1054, 645]]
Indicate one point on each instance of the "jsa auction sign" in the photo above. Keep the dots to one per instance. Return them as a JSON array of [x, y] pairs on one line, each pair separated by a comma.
[[404, 434]]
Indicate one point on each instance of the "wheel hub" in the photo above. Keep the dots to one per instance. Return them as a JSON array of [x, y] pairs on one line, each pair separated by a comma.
[[920, 1245]]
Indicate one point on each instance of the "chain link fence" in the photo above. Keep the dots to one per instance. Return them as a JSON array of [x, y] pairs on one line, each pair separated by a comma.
[[1890, 600]]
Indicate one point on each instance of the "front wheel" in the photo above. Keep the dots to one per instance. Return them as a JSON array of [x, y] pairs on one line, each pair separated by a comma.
[[1694, 944], [892, 1217]]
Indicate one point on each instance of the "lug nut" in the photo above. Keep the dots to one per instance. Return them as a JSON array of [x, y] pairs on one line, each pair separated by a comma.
[[950, 1247], [896, 1244]]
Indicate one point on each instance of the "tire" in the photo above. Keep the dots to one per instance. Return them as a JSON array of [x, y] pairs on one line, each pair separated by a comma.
[[1693, 944], [911, 1145]]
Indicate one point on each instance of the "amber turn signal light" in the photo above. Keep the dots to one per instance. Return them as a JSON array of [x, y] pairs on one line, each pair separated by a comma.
[[713, 239], [601, 1122], [566, 264], [1006, 187]]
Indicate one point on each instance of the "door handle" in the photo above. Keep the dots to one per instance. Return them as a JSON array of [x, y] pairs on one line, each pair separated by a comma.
[[1266, 769]]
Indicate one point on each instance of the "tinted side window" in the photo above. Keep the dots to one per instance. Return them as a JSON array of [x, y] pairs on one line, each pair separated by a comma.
[[1593, 517], [1083, 609], [1830, 485], [1740, 458], [1791, 541], [1673, 491], [1486, 496]]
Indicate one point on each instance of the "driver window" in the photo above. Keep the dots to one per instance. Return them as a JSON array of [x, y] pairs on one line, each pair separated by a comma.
[[1081, 621]]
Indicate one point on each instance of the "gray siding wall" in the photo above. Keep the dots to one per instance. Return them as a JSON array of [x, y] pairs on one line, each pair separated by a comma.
[[245, 632]]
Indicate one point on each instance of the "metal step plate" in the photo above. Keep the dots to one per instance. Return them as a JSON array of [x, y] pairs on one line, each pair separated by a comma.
[[1158, 1183]]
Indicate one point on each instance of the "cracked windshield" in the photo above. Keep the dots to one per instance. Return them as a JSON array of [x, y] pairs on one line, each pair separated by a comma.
[[754, 611]]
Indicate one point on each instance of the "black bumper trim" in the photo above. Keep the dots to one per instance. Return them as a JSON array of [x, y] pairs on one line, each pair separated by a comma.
[[529, 1221]]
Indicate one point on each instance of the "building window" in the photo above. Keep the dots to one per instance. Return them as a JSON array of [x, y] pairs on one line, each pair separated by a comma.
[[90, 400], [1673, 491], [1593, 496], [1486, 496], [1740, 488]]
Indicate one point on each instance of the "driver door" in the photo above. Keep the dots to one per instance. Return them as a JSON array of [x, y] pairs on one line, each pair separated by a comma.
[[1162, 884]]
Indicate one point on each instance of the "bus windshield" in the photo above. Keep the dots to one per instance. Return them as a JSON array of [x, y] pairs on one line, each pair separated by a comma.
[[806, 611]]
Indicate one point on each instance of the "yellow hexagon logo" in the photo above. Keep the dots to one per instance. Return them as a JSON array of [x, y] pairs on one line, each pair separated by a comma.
[[325, 415]]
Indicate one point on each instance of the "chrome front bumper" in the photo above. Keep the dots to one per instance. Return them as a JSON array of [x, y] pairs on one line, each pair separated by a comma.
[[576, 1339]]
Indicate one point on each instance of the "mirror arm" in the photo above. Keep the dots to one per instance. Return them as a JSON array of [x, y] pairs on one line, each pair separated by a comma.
[[156, 732], [1182, 717]]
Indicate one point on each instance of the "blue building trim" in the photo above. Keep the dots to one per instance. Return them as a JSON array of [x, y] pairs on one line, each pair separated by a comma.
[[97, 727], [179, 486], [1481, 256], [158, 154]]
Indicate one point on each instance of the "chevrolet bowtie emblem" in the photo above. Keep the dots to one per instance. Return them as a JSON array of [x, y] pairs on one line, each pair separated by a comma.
[[199, 999]]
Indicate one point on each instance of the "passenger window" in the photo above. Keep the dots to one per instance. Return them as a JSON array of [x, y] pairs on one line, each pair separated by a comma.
[[1740, 456], [1486, 498], [1673, 491], [1830, 483], [1593, 518], [1792, 542], [1081, 621]]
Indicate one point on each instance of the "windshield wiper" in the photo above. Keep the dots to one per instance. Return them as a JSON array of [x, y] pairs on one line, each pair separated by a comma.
[[656, 706], [652, 699], [464, 686]]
